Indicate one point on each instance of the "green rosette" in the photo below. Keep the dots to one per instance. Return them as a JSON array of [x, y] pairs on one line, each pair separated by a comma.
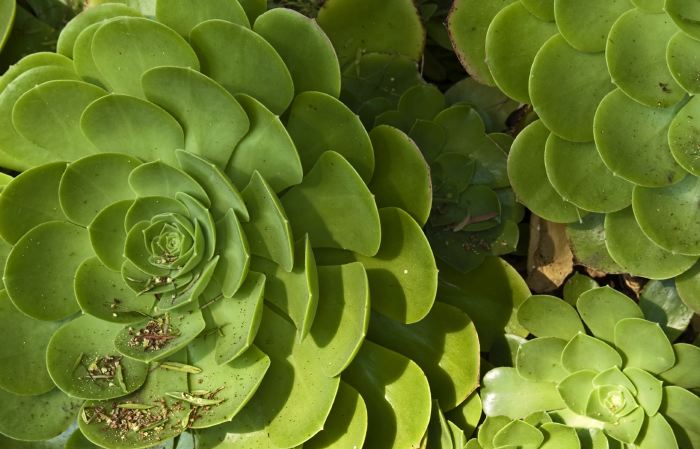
[[202, 248], [594, 375], [614, 153]]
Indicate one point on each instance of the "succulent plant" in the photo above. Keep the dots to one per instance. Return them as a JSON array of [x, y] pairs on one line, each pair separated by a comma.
[[621, 385], [474, 211], [615, 151], [184, 267]]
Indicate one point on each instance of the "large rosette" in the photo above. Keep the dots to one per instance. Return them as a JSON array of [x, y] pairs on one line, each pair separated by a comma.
[[203, 238]]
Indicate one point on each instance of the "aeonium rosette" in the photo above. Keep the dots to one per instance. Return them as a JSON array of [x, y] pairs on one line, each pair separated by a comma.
[[206, 247], [621, 385]]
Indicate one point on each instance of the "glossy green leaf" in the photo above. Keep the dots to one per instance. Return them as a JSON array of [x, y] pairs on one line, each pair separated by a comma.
[[652, 6], [346, 425], [379, 79], [506, 393], [40, 269], [668, 215], [389, 184], [493, 106], [167, 411], [238, 318], [403, 250], [239, 379], [30, 200], [684, 373], [295, 292], [338, 345], [587, 241], [680, 407], [23, 371], [7, 16], [318, 123], [97, 14], [320, 204], [218, 187], [558, 436], [78, 441], [542, 9], [467, 414], [685, 14], [184, 324], [661, 304], [273, 417], [248, 65], [682, 59], [577, 285], [213, 121], [490, 427], [615, 378], [580, 176], [438, 434], [34, 418], [585, 26], [632, 141], [602, 308], [540, 359], [644, 345], [267, 148], [159, 179], [575, 390], [310, 56], [636, 253], [103, 293], [683, 137], [232, 248], [568, 116], [396, 28], [520, 434], [688, 287], [49, 116], [125, 48], [515, 31], [548, 316], [649, 389], [636, 56], [80, 343], [444, 344], [627, 428], [124, 124], [16, 151], [183, 15], [463, 123], [395, 391], [490, 295], [108, 234], [468, 22], [253, 8], [504, 351], [656, 432], [268, 231], [528, 176], [93, 183], [584, 352], [83, 61]]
